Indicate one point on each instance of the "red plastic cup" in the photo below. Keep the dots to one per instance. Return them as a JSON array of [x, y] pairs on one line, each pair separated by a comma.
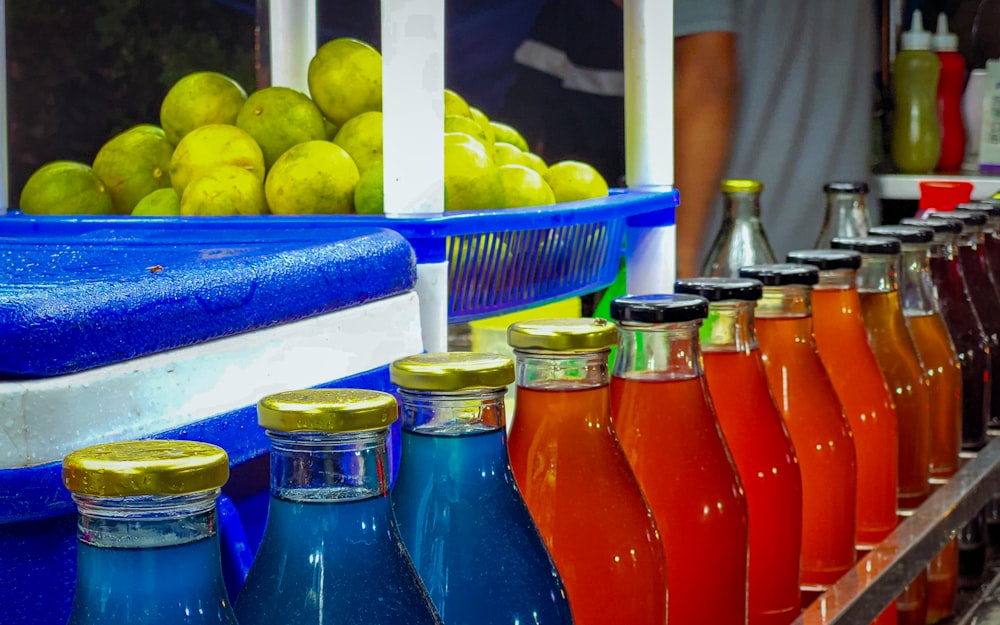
[[943, 196]]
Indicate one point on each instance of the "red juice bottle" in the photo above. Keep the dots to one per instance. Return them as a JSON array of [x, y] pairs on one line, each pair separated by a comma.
[[854, 372], [668, 429], [814, 418], [759, 443], [575, 478]]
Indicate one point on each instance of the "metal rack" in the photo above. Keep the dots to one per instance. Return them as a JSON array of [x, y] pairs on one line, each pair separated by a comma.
[[862, 594]]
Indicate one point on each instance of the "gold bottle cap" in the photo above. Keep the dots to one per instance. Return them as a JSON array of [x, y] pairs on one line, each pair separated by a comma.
[[327, 410], [742, 186], [563, 335], [145, 467], [452, 371]]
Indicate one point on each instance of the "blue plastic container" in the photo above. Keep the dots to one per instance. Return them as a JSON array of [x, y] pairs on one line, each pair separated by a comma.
[[79, 297], [500, 260]]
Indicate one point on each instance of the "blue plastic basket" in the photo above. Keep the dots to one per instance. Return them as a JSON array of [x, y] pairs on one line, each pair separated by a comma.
[[499, 261]]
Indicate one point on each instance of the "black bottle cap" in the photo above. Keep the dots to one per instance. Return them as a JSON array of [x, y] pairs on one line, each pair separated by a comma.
[[937, 225], [968, 218], [990, 208], [720, 289], [659, 308], [826, 259], [906, 234], [867, 245], [858, 186], [781, 274]]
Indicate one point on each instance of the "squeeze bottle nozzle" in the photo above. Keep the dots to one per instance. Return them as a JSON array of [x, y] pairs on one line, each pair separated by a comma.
[[916, 38], [944, 40]]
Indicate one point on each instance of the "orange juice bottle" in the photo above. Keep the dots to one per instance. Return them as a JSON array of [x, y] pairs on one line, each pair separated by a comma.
[[903, 370], [668, 429], [843, 346], [575, 478], [814, 418], [758, 441], [944, 378]]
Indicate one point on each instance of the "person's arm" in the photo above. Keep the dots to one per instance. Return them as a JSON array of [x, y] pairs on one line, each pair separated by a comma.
[[705, 104]]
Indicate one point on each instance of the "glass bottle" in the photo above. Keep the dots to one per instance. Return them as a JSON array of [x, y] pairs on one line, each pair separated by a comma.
[[971, 256], [846, 214], [147, 533], [971, 342], [741, 239], [848, 359], [814, 418], [898, 358], [668, 429], [575, 478], [991, 235], [459, 512], [331, 552], [944, 378], [758, 441]]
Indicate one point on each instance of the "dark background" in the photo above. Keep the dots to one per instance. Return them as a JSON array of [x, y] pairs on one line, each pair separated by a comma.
[[81, 71]]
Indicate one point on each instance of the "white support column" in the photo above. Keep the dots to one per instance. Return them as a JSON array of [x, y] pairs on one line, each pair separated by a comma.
[[412, 145], [292, 42], [649, 136], [4, 137]]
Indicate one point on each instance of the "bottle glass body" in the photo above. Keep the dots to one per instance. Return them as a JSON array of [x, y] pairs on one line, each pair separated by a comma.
[[462, 518], [670, 434], [331, 552], [897, 357], [916, 136], [971, 254], [854, 372], [149, 560], [764, 456], [741, 240], [846, 216], [819, 430], [973, 346], [583, 497]]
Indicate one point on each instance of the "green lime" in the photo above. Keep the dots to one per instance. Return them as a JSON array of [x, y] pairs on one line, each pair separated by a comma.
[[159, 203], [361, 137], [209, 147], [369, 194], [133, 164], [200, 99], [345, 79], [312, 177], [524, 186], [278, 118], [574, 180], [226, 190], [65, 188]]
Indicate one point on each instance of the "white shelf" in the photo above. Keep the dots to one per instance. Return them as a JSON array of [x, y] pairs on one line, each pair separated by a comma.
[[907, 186]]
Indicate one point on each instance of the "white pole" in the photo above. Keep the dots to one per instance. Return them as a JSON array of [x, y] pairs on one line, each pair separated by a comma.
[[649, 136], [412, 138], [4, 200], [292, 42]]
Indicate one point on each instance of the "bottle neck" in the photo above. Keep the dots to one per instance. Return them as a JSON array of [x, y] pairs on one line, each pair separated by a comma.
[[836, 280], [971, 236], [452, 414], [846, 216], [661, 351], [146, 521], [328, 467], [879, 273], [916, 292], [943, 246], [791, 301], [741, 207], [729, 327], [562, 371]]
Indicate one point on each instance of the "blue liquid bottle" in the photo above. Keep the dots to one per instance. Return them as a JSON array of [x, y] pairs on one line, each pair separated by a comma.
[[331, 553], [461, 516], [147, 550]]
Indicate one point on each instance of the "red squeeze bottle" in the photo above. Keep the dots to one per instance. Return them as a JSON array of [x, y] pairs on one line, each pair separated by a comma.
[[949, 97]]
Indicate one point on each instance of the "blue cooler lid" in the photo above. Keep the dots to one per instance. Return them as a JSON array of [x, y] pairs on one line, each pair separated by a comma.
[[73, 301]]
